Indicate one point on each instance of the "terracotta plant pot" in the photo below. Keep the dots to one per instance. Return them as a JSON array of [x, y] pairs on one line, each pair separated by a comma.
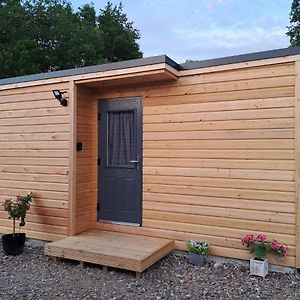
[[196, 259], [259, 267], [13, 245]]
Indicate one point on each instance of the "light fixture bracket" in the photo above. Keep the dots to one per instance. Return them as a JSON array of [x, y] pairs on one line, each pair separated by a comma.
[[59, 96]]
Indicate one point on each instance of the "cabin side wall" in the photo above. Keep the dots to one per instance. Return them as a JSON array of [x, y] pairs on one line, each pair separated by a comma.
[[219, 158], [34, 156]]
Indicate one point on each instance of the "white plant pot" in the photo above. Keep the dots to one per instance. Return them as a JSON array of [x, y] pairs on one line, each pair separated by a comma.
[[259, 267]]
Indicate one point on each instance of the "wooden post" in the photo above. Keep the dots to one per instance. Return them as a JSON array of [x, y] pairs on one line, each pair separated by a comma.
[[138, 275], [82, 264], [297, 159], [72, 158], [105, 268]]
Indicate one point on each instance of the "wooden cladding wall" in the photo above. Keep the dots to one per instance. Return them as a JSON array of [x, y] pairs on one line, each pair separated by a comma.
[[34, 156], [86, 169], [219, 158]]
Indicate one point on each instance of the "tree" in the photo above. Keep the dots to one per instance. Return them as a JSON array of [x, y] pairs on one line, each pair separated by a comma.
[[17, 49], [47, 35], [294, 28], [119, 35]]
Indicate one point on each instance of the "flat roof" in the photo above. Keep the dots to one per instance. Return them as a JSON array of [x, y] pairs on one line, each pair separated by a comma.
[[156, 60]]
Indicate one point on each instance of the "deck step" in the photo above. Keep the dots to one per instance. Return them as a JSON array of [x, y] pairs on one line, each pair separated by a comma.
[[112, 249]]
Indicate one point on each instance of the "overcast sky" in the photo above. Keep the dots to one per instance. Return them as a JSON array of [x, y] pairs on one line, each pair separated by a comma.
[[202, 29]]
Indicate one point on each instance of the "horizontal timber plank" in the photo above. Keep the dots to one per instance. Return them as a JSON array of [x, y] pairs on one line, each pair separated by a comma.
[[43, 145], [244, 154], [37, 186], [27, 97], [220, 182], [34, 89], [212, 97], [48, 211], [268, 206], [33, 129], [214, 145], [220, 106], [43, 228], [222, 173], [34, 121], [33, 161], [32, 109], [270, 113], [220, 192], [35, 234], [35, 153], [221, 163], [34, 177], [219, 134], [219, 222], [214, 230], [279, 123], [49, 203], [29, 169], [41, 219], [258, 215], [9, 137], [37, 194]]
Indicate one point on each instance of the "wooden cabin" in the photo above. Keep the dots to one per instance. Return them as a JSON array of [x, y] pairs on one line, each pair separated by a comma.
[[206, 150]]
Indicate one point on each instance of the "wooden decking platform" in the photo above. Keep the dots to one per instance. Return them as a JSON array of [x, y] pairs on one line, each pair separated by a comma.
[[111, 249]]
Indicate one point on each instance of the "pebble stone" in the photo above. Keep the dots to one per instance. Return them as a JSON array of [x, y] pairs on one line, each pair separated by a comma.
[[35, 276]]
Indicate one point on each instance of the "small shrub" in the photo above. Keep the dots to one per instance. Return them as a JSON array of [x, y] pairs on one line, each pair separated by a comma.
[[18, 209], [197, 247]]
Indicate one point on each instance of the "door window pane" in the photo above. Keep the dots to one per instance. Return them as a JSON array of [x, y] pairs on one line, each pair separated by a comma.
[[120, 138]]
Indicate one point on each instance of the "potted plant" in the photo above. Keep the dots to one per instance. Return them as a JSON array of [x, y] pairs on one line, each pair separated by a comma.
[[260, 247], [197, 251], [13, 243]]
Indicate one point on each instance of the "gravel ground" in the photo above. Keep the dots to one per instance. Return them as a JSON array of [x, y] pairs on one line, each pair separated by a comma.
[[35, 276]]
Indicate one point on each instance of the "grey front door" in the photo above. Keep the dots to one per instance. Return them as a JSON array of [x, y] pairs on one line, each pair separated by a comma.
[[120, 160]]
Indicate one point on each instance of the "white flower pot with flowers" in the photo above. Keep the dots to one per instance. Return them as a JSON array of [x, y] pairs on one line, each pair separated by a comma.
[[260, 247], [197, 252]]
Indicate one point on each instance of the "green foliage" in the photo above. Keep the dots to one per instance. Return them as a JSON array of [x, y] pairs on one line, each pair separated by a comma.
[[294, 28], [197, 247], [48, 35], [119, 35], [260, 251], [18, 209]]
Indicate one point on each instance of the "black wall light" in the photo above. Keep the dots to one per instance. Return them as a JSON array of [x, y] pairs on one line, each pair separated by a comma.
[[59, 96]]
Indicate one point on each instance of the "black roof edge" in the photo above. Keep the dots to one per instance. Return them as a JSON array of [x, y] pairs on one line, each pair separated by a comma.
[[241, 58], [92, 69]]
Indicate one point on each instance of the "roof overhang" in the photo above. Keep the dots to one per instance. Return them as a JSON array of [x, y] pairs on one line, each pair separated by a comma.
[[135, 75]]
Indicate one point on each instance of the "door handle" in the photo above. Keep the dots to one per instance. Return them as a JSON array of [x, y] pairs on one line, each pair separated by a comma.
[[137, 162]]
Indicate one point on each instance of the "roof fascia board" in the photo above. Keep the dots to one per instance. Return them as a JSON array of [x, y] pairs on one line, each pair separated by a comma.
[[242, 65]]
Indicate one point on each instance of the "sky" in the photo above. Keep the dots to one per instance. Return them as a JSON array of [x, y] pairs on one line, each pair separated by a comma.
[[204, 29]]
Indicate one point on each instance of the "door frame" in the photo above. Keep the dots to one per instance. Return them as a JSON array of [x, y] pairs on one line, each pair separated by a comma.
[[139, 126]]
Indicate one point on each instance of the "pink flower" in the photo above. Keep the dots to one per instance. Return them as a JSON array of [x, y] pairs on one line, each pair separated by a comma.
[[283, 249], [261, 238], [248, 239], [275, 245]]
